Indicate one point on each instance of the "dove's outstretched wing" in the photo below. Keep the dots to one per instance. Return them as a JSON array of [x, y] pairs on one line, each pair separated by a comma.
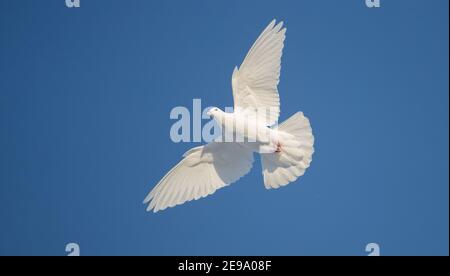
[[255, 82], [203, 170]]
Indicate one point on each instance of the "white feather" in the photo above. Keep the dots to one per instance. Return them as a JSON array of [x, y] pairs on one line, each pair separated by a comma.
[[255, 82], [202, 171]]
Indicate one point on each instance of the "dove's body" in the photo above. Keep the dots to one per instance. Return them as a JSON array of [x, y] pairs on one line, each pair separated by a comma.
[[286, 150], [251, 133]]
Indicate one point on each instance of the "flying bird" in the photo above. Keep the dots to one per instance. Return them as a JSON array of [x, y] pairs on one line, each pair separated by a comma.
[[286, 149]]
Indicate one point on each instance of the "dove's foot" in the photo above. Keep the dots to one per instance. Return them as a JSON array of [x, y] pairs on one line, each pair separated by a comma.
[[278, 150]]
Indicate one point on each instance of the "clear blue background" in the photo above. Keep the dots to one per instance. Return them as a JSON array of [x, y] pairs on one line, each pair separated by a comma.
[[85, 96]]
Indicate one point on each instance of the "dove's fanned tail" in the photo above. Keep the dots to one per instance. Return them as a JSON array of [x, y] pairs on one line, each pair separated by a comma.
[[295, 155]]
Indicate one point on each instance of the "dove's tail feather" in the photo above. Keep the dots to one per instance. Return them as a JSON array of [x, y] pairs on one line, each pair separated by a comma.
[[295, 154]]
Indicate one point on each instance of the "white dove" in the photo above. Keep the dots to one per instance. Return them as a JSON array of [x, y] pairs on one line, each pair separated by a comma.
[[286, 150]]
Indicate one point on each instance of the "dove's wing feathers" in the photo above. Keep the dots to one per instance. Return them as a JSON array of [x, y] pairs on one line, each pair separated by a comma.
[[202, 171], [255, 83]]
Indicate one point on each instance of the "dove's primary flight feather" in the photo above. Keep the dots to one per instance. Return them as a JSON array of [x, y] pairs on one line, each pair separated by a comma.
[[286, 151]]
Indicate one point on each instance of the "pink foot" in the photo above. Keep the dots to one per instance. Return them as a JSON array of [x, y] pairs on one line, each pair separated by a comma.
[[278, 150]]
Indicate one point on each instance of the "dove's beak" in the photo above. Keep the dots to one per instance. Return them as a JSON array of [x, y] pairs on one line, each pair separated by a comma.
[[209, 113]]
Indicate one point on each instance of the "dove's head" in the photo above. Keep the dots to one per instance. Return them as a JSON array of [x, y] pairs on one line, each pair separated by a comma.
[[214, 112]]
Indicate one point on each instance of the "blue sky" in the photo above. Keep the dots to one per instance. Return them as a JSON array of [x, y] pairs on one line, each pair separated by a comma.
[[85, 97]]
